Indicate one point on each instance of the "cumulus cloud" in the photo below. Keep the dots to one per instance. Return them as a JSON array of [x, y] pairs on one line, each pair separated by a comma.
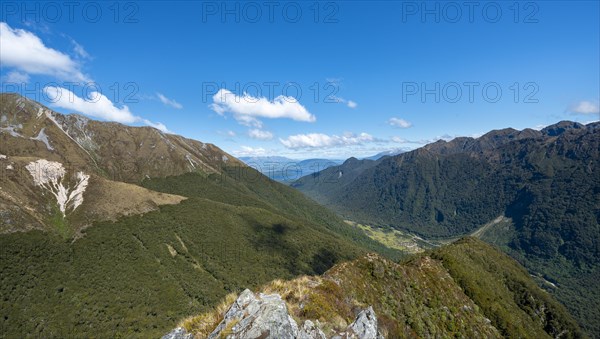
[[168, 102], [96, 105], [399, 140], [319, 140], [585, 107], [400, 123], [260, 134], [249, 151], [351, 104], [25, 51], [247, 109], [158, 125], [249, 121], [16, 77]]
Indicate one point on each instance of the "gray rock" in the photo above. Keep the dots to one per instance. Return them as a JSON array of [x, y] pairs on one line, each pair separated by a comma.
[[364, 326], [310, 331], [178, 333], [266, 317], [250, 317]]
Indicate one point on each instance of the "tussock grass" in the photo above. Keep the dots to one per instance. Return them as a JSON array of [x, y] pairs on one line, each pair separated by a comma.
[[202, 325]]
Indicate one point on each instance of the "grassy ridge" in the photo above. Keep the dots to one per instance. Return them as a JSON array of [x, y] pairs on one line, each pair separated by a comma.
[[467, 289]]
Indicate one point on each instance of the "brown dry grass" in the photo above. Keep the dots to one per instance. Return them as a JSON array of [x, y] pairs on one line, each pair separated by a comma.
[[202, 325]]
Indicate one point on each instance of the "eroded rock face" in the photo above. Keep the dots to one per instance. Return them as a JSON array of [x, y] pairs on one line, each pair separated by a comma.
[[265, 316]]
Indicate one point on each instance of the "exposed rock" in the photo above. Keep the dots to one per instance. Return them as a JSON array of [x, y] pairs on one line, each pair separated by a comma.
[[178, 333], [365, 326], [310, 331], [265, 316]]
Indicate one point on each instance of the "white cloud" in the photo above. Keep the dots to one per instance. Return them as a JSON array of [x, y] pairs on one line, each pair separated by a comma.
[[169, 102], [246, 109], [96, 105], [249, 151], [158, 125], [445, 137], [319, 140], [585, 107], [400, 123], [230, 133], [338, 100], [249, 121], [260, 134], [23, 50], [78, 49], [16, 77], [400, 140]]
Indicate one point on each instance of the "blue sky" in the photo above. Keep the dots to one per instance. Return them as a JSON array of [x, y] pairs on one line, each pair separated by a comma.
[[309, 79]]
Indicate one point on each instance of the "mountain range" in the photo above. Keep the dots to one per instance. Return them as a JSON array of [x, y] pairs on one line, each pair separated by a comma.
[[541, 187], [286, 170], [108, 230]]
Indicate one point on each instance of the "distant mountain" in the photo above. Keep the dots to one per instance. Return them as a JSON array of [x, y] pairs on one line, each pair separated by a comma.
[[386, 154], [545, 183], [286, 170], [110, 231], [333, 180], [466, 289]]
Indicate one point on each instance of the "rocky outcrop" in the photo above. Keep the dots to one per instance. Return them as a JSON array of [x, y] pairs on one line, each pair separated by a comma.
[[311, 331], [364, 327], [262, 316], [266, 316], [178, 333]]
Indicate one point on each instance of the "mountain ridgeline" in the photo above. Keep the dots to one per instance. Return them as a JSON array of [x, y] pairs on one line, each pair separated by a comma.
[[109, 230], [546, 184]]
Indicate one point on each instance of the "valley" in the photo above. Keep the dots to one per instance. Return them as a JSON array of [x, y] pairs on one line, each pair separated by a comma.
[[190, 235], [536, 191], [299, 170]]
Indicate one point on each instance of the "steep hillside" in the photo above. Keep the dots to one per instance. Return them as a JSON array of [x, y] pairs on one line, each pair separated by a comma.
[[60, 172], [331, 182], [136, 276], [84, 253], [467, 289], [546, 182]]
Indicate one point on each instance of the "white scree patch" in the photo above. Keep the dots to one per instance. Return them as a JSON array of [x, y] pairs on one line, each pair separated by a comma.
[[50, 176]]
